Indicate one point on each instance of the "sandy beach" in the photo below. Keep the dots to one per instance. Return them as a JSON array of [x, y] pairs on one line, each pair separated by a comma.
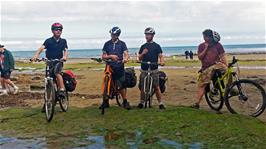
[[181, 84]]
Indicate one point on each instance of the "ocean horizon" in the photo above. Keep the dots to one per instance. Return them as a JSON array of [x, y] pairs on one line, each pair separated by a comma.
[[168, 51]]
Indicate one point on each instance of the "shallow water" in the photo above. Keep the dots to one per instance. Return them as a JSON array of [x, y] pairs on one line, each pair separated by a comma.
[[15, 143], [133, 141]]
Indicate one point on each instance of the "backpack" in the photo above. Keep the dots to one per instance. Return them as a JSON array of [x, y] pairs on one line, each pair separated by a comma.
[[69, 80], [130, 78], [162, 79]]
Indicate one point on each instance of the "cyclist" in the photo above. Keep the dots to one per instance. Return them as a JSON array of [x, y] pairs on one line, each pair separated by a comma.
[[56, 48], [150, 51], [212, 56], [116, 50], [7, 64]]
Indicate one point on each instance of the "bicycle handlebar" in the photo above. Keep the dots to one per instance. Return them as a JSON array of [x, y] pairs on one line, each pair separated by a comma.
[[150, 63], [233, 62], [110, 60], [47, 60]]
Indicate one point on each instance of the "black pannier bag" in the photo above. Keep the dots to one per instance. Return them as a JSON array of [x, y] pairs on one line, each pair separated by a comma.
[[69, 80], [162, 80], [130, 78]]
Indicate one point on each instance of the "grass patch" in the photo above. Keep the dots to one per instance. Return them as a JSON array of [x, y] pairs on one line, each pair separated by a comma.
[[180, 124]]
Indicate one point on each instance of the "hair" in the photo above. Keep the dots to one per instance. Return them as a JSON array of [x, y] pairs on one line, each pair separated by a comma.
[[207, 33]]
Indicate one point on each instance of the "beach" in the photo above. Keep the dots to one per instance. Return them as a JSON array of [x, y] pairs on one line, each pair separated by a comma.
[[84, 126], [181, 84]]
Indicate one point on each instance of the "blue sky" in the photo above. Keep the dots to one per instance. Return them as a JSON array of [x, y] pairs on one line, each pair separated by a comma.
[[24, 25]]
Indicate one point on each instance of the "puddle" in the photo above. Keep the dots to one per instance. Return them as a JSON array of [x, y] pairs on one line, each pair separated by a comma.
[[133, 141], [15, 143]]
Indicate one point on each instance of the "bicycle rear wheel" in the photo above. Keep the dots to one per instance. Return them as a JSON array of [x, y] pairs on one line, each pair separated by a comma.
[[119, 100], [245, 97], [214, 97], [49, 98], [64, 102]]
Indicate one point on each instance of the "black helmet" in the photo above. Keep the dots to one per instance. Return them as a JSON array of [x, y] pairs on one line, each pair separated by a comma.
[[115, 31], [149, 30]]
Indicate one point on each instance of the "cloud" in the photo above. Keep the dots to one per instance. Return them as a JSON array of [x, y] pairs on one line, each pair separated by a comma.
[[171, 19]]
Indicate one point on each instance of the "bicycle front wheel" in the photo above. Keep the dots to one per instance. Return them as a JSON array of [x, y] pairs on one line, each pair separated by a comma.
[[49, 98], [245, 97], [64, 102]]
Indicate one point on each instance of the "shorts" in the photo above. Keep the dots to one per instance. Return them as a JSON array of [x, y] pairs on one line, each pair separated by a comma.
[[205, 77], [56, 68], [155, 77], [120, 82], [5, 74]]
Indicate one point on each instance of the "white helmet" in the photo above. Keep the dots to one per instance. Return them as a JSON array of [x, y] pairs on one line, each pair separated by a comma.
[[149, 30], [216, 36]]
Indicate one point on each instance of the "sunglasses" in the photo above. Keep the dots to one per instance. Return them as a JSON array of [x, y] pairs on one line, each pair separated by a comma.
[[57, 29]]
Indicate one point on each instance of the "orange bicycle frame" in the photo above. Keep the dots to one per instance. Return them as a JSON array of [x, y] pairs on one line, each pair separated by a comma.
[[107, 72]]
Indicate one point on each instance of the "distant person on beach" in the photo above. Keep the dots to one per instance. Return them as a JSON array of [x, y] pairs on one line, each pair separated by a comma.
[[56, 48], [150, 51], [212, 56], [7, 65], [186, 54], [191, 55], [116, 50]]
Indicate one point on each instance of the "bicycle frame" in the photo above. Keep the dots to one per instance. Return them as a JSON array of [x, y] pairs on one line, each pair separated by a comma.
[[107, 73], [148, 76], [225, 78]]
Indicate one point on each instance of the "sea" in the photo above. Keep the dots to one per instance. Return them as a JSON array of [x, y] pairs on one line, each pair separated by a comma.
[[168, 51]]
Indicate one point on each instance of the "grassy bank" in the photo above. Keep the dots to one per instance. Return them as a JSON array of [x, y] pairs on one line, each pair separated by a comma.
[[145, 128]]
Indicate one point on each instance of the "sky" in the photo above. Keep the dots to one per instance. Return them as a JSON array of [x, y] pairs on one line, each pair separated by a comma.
[[26, 24]]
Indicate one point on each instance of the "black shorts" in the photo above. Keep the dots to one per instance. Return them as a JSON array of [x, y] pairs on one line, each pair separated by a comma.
[[5, 74], [56, 68]]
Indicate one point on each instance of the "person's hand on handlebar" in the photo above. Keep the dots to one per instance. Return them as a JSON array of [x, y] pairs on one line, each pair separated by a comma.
[[34, 58], [161, 63], [64, 58], [125, 61]]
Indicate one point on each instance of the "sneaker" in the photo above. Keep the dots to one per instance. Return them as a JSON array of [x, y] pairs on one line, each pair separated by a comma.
[[15, 90], [195, 105], [105, 105], [162, 107], [3, 92], [61, 94], [140, 106], [126, 105]]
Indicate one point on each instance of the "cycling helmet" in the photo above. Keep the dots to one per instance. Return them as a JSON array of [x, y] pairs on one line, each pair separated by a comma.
[[57, 26], [149, 30], [115, 31], [216, 36]]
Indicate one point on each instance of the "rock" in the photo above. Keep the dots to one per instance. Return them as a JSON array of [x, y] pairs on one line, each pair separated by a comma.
[[193, 82], [178, 134], [36, 78]]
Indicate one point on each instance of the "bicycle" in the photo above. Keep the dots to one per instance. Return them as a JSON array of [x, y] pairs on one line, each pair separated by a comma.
[[148, 84], [242, 96], [51, 94], [109, 88]]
